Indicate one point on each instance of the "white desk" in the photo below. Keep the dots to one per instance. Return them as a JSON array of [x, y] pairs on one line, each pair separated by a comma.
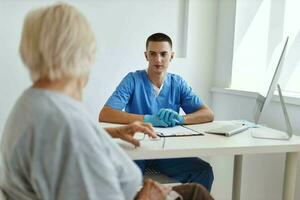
[[210, 145]]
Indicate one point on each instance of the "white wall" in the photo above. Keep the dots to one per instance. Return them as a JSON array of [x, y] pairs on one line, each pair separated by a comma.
[[224, 44], [121, 28]]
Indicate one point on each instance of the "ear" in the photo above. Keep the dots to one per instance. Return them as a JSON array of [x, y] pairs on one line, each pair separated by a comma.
[[172, 55], [145, 53]]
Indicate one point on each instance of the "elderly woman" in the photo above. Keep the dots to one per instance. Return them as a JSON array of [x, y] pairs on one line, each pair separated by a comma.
[[51, 147]]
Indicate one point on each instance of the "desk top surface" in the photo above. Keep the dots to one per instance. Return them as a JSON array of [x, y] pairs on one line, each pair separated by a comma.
[[208, 144]]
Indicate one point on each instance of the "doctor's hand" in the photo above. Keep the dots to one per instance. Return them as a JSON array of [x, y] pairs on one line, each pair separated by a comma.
[[127, 132], [155, 121], [171, 117]]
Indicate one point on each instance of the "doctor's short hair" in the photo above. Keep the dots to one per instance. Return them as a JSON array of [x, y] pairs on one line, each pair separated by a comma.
[[57, 42], [158, 37]]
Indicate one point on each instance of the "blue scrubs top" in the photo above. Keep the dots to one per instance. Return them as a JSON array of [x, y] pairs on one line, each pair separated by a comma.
[[135, 94]]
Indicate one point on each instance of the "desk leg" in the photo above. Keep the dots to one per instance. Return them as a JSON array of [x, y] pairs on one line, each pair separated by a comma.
[[237, 177], [290, 171]]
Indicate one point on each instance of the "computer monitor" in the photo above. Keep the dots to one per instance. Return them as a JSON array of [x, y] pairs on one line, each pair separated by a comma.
[[261, 106]]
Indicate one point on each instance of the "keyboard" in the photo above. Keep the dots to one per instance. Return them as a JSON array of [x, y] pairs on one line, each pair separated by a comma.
[[228, 129]]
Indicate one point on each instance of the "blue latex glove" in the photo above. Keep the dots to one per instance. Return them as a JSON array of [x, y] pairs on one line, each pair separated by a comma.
[[171, 117], [155, 120]]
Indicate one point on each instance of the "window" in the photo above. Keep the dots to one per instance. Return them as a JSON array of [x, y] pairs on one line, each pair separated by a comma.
[[260, 26]]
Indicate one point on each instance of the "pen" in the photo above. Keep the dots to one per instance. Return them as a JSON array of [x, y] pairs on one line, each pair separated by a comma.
[[181, 135], [159, 134]]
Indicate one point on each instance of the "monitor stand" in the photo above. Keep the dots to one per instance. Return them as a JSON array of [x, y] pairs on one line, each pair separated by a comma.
[[267, 133]]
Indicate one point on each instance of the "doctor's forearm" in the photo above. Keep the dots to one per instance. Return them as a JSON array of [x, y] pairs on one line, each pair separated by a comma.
[[201, 116]]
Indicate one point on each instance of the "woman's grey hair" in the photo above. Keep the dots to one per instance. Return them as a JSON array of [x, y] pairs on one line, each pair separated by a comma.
[[57, 42]]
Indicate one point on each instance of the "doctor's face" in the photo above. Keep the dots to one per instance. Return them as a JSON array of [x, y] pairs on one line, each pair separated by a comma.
[[159, 56]]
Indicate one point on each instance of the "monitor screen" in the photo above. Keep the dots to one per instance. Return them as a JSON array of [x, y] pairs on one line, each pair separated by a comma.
[[278, 60]]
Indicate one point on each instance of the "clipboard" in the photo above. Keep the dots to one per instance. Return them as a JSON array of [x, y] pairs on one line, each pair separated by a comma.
[[177, 131]]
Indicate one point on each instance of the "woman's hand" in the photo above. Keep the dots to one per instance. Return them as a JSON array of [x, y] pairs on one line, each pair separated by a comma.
[[127, 132], [152, 190]]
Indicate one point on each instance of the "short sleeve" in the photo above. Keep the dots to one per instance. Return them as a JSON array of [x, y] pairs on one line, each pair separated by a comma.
[[74, 164], [121, 96], [189, 101]]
